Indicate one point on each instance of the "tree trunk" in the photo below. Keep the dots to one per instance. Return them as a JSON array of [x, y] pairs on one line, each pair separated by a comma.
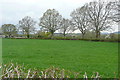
[[28, 36], [52, 33], [9, 35], [83, 35], [64, 34], [97, 34]]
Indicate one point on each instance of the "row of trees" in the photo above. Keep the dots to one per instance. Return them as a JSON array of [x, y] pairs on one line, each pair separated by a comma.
[[94, 16]]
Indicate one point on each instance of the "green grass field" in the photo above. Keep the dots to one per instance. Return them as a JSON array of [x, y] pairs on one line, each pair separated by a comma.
[[73, 55]]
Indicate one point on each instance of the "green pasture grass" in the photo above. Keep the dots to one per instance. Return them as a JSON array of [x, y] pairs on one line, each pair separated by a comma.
[[0, 56], [73, 55]]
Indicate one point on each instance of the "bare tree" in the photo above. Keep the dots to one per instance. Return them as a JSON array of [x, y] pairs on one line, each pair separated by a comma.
[[99, 13], [51, 20], [116, 11], [9, 29], [80, 19], [27, 25], [65, 26]]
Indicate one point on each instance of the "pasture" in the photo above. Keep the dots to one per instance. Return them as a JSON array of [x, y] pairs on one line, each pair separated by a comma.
[[73, 55]]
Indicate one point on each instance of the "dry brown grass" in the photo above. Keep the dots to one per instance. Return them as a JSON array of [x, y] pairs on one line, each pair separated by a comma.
[[18, 71]]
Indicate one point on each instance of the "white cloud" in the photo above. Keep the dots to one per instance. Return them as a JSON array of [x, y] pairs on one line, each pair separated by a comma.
[[12, 10]]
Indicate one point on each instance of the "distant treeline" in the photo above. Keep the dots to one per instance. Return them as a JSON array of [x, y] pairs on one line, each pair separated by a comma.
[[90, 19]]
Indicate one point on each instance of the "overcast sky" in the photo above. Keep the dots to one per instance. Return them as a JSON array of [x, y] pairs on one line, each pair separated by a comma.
[[14, 10]]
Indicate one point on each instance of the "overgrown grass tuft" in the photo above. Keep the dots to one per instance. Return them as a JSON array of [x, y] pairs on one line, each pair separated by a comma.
[[19, 71]]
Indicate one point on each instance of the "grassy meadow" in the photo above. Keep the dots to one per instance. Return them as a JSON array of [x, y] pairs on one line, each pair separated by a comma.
[[73, 55]]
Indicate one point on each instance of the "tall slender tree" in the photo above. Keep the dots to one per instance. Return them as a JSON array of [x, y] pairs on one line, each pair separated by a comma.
[[9, 30], [51, 20], [99, 13], [80, 19], [116, 11], [27, 25], [65, 26]]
